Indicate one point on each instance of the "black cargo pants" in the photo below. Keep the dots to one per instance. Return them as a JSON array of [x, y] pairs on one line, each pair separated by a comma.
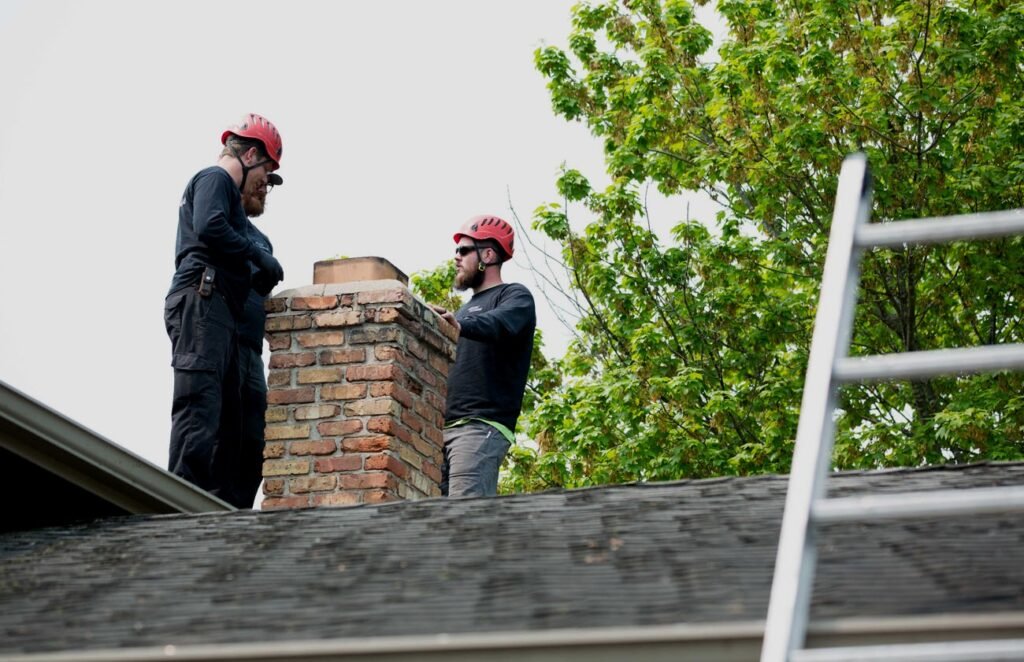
[[206, 425]]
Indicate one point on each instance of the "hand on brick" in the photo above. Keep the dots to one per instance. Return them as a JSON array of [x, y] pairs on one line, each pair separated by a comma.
[[447, 316]]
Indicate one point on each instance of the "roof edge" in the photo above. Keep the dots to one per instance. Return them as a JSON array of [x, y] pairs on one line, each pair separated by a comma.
[[50, 440], [712, 642]]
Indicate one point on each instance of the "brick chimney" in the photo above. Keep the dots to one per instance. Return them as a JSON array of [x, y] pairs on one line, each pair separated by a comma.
[[358, 374]]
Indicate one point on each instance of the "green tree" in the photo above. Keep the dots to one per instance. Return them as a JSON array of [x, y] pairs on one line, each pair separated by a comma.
[[690, 349], [436, 286]]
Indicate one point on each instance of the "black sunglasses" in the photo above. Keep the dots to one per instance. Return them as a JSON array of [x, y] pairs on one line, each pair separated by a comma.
[[463, 251]]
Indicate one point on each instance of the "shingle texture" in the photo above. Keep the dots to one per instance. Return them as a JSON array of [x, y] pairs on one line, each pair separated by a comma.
[[690, 551]]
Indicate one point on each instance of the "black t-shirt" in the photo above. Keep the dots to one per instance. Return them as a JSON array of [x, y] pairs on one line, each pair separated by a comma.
[[212, 231], [493, 355]]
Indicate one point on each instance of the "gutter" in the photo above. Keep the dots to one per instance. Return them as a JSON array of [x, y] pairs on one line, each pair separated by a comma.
[[711, 642], [61, 446]]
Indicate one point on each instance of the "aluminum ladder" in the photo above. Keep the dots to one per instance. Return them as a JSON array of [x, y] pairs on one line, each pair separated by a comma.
[[807, 506]]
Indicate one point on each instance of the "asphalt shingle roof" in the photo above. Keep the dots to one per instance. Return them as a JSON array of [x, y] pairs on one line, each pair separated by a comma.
[[690, 551]]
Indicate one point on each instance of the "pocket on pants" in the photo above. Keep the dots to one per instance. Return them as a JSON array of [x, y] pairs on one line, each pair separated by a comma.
[[201, 330]]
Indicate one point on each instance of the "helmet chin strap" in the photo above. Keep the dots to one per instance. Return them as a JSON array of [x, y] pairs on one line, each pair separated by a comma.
[[245, 168]]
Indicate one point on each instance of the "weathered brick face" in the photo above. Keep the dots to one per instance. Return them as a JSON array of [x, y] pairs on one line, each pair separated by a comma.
[[357, 390]]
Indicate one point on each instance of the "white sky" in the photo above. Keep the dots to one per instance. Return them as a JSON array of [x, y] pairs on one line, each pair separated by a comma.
[[400, 119]]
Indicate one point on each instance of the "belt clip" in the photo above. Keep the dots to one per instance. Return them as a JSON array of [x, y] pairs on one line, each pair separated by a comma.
[[207, 281]]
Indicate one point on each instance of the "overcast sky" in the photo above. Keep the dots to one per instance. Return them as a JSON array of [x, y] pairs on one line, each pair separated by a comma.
[[399, 119]]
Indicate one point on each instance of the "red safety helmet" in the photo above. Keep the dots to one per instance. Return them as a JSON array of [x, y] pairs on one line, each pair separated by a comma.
[[259, 128], [489, 227]]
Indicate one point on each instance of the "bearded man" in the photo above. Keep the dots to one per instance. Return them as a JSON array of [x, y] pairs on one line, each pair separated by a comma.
[[492, 361], [217, 262]]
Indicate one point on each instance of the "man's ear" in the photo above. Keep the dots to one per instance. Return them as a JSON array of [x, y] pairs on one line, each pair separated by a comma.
[[251, 156]]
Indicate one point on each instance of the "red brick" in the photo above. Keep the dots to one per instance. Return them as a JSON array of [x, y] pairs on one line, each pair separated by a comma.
[[373, 444], [273, 487], [392, 390], [427, 413], [416, 348], [320, 339], [285, 503], [337, 499], [410, 456], [312, 484], [384, 424], [338, 318], [276, 415], [434, 400], [320, 375], [275, 432], [412, 421], [311, 412], [386, 462], [273, 451], [285, 467], [292, 360], [440, 364], [385, 296], [279, 341], [333, 356], [327, 465], [426, 375], [340, 428], [434, 435], [375, 371], [291, 395], [430, 470], [385, 315], [342, 391], [279, 378], [366, 481], [377, 407], [363, 336], [392, 354], [317, 447], [314, 303], [379, 496], [413, 326], [289, 323], [403, 433], [424, 447], [276, 305]]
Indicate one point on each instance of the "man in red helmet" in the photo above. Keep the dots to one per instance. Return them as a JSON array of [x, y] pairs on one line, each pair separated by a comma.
[[217, 263], [486, 384]]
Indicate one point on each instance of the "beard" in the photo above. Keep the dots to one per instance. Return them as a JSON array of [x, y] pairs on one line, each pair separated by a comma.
[[253, 204], [468, 281]]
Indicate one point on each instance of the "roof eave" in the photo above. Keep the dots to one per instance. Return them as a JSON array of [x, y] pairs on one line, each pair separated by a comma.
[[54, 442], [710, 642]]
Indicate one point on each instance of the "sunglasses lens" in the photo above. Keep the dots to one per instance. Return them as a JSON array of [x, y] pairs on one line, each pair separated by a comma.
[[463, 250]]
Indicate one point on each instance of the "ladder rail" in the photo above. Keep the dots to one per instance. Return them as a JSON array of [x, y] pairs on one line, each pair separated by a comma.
[[929, 363], [930, 503], [941, 229], [788, 604], [991, 650]]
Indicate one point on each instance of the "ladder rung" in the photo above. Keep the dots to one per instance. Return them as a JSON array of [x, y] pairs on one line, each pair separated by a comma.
[[989, 650], [931, 363], [943, 229], [935, 503]]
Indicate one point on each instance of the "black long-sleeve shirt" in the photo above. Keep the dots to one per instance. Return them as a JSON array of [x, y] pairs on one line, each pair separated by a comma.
[[493, 355], [252, 326], [212, 231]]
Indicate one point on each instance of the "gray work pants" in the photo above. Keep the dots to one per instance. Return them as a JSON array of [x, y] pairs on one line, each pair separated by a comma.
[[473, 453]]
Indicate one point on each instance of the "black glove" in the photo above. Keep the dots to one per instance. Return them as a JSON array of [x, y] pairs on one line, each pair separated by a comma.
[[262, 283], [269, 269]]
